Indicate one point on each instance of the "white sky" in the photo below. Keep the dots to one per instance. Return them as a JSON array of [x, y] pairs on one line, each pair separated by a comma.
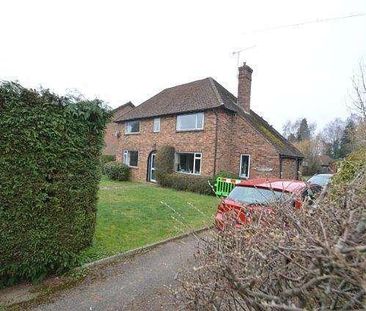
[[130, 50]]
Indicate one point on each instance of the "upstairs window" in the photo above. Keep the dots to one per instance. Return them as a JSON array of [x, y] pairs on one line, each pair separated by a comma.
[[190, 122], [156, 127], [132, 127], [189, 163], [244, 166], [131, 158]]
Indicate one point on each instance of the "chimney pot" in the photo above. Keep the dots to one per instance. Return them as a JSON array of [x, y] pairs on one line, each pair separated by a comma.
[[244, 87]]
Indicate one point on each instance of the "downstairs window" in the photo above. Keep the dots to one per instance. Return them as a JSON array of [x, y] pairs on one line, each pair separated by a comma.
[[244, 166], [131, 158], [189, 163]]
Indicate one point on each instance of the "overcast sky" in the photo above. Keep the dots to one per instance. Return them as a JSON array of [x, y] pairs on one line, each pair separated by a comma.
[[125, 51]]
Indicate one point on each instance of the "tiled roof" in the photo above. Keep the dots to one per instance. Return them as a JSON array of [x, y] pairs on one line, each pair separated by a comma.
[[203, 95], [121, 110]]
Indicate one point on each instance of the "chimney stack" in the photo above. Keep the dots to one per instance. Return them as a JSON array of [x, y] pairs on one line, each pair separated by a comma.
[[244, 86]]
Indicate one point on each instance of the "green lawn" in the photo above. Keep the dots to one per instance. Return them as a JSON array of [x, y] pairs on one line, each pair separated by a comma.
[[131, 215]]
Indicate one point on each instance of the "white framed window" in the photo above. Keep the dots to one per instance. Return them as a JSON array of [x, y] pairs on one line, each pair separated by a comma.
[[156, 126], [132, 127], [190, 122], [188, 163], [131, 158], [244, 165]]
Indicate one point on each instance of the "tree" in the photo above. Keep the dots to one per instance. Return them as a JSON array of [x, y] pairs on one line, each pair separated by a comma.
[[311, 149], [298, 130], [358, 98], [303, 132], [331, 137], [348, 137], [359, 92]]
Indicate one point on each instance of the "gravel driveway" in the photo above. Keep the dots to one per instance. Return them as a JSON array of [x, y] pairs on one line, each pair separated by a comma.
[[140, 282]]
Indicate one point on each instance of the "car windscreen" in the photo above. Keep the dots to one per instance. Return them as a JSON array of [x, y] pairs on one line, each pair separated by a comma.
[[321, 180], [251, 195]]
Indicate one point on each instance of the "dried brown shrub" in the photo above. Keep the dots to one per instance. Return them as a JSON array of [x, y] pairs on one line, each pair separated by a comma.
[[312, 258]]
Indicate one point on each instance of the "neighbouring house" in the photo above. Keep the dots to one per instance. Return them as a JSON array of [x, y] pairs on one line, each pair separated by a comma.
[[327, 164], [211, 131], [112, 131]]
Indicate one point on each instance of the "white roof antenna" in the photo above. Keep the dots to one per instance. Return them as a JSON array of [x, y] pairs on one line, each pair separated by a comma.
[[239, 51]]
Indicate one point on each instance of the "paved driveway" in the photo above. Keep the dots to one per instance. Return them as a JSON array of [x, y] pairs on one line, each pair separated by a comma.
[[141, 282]]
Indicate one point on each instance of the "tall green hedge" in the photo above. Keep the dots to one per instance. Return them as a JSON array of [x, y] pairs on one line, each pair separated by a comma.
[[50, 150]]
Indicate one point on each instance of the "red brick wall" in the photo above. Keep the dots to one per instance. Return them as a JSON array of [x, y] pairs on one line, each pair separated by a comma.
[[147, 141], [234, 137], [289, 168], [237, 137], [110, 138]]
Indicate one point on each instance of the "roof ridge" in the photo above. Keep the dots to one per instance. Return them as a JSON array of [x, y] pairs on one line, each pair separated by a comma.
[[183, 84], [214, 88]]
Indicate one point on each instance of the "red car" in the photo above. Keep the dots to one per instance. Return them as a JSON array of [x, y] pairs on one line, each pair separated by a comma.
[[251, 195]]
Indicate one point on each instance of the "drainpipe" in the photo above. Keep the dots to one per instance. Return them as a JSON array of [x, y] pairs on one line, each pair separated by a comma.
[[216, 137]]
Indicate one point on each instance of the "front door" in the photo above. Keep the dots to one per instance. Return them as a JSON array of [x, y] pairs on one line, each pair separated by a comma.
[[152, 174]]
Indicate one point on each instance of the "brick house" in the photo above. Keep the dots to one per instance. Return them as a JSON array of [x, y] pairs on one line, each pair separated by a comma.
[[211, 131], [112, 131]]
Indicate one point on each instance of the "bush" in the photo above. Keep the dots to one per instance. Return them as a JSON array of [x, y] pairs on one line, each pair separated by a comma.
[[226, 174], [311, 258], [350, 167], [49, 175], [164, 161], [166, 176], [117, 171], [192, 183], [108, 158]]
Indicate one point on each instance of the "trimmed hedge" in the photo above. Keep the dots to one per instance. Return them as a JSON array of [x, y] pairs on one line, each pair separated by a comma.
[[167, 178], [227, 174], [49, 175], [117, 171], [192, 183]]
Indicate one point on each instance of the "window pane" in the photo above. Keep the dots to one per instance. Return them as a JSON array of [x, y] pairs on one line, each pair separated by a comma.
[[186, 122], [133, 127], [200, 120], [197, 168], [244, 168], [133, 158], [185, 162], [157, 125]]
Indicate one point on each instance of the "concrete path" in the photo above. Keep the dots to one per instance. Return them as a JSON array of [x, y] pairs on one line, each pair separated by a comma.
[[141, 282]]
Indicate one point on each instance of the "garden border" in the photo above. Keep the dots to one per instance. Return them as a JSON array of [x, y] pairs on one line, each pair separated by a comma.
[[140, 250]]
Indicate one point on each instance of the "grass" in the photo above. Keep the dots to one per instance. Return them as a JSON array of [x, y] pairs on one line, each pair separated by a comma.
[[131, 215]]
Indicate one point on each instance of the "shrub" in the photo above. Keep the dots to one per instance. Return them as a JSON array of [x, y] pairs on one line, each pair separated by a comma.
[[166, 176], [227, 174], [49, 175], [311, 258], [192, 183], [108, 158], [164, 161], [117, 171], [350, 167]]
